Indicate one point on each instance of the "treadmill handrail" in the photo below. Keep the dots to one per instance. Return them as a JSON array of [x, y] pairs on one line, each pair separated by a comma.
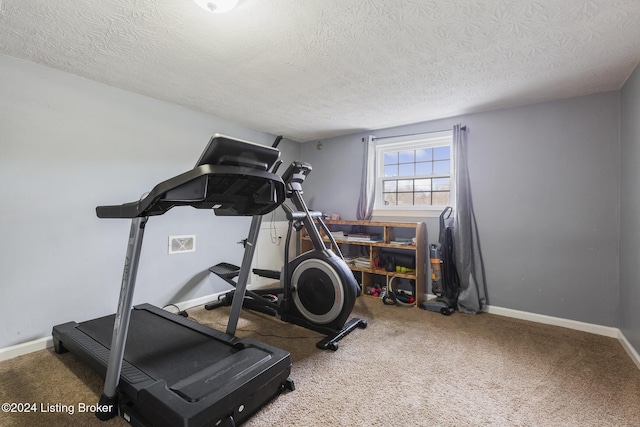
[[157, 203]]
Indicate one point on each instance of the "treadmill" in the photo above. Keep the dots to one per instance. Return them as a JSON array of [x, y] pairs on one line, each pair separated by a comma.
[[162, 369]]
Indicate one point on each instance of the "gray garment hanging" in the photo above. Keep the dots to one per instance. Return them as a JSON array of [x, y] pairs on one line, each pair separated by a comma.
[[472, 298]]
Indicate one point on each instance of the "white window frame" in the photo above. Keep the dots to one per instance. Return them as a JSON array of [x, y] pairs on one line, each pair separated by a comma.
[[409, 142]]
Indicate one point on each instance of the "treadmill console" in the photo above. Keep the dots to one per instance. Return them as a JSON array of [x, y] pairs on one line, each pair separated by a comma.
[[226, 150]]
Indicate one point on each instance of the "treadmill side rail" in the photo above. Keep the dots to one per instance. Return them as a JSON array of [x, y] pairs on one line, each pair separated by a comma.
[[236, 399], [109, 396]]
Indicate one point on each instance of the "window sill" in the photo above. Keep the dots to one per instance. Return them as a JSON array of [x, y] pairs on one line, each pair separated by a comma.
[[414, 213]]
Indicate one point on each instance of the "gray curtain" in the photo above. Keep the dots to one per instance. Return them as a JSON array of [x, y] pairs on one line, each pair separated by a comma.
[[368, 183], [472, 297]]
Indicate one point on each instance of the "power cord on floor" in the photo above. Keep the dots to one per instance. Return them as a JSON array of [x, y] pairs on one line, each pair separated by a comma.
[[185, 314], [272, 335], [177, 310]]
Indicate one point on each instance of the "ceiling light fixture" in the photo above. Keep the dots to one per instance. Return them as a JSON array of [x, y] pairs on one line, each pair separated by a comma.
[[217, 6]]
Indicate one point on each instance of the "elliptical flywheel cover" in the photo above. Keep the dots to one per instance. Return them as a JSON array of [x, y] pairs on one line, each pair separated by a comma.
[[318, 292]]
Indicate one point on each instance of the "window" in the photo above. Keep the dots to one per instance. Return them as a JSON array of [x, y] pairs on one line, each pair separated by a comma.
[[414, 174]]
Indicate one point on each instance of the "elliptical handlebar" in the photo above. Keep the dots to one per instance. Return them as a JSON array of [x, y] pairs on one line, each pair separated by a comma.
[[295, 175], [296, 215], [276, 166], [293, 178]]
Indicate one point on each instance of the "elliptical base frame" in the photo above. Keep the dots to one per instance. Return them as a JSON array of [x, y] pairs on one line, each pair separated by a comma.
[[292, 308]]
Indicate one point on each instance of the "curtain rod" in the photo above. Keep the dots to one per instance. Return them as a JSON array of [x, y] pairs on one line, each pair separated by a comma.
[[464, 128]]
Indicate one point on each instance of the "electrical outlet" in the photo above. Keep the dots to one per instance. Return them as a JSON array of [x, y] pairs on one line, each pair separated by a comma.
[[182, 244]]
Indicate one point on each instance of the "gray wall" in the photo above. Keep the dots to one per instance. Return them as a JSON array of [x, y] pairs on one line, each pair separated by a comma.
[[68, 145], [545, 184], [630, 210]]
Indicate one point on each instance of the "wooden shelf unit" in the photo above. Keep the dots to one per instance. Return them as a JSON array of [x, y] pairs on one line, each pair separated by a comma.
[[388, 232]]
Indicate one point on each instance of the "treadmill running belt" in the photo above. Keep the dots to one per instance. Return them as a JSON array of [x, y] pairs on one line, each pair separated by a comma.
[[160, 348]]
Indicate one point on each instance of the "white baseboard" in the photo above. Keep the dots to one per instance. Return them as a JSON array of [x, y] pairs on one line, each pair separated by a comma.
[[185, 305], [607, 331], [25, 348], [633, 354], [47, 342]]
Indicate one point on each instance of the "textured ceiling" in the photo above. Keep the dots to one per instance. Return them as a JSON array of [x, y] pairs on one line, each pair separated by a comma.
[[312, 69]]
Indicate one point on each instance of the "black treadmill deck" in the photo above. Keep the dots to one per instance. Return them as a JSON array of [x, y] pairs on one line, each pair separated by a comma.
[[208, 377]]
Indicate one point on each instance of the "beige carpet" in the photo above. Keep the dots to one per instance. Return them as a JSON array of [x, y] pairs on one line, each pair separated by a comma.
[[408, 368]]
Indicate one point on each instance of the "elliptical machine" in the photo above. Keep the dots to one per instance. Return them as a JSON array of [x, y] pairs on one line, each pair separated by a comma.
[[317, 289]]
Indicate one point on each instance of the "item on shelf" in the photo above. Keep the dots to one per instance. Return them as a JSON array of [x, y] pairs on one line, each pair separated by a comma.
[[379, 263], [397, 257], [349, 259], [390, 263], [402, 242], [393, 294], [338, 235], [375, 290], [361, 262], [363, 237]]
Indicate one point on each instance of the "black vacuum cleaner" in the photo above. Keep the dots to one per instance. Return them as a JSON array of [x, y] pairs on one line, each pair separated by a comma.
[[445, 282]]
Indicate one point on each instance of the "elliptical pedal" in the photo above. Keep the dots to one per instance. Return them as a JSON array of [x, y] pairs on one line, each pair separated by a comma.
[[269, 274], [225, 270]]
